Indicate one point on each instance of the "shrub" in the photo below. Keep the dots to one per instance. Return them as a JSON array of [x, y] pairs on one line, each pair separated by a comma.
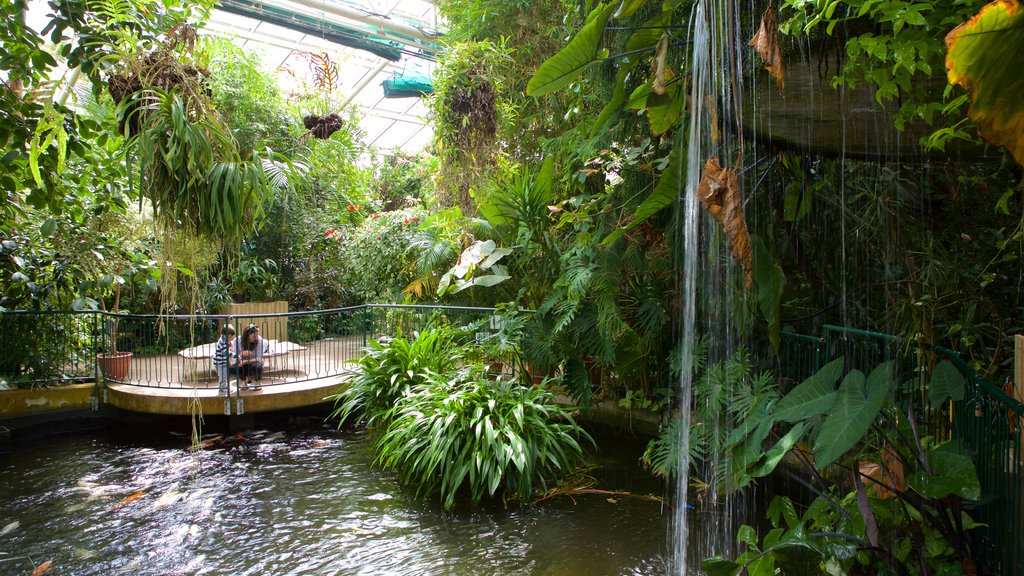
[[467, 434], [375, 260], [390, 369]]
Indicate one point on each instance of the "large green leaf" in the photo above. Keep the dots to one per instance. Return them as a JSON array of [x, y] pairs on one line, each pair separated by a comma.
[[853, 413], [952, 473], [947, 383], [618, 98], [979, 57], [562, 68], [664, 110], [766, 465], [811, 397], [770, 281], [718, 566], [663, 196], [649, 33], [631, 6]]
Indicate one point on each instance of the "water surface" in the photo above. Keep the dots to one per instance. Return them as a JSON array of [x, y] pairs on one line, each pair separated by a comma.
[[290, 499]]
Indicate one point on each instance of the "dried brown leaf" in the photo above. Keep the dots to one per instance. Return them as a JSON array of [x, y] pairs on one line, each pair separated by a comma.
[[660, 55], [766, 43], [719, 192]]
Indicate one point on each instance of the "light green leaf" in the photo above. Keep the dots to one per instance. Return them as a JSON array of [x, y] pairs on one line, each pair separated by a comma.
[[776, 453], [664, 110], [630, 6], [562, 68], [853, 413], [638, 99], [747, 535], [946, 382], [811, 397], [762, 566], [649, 33]]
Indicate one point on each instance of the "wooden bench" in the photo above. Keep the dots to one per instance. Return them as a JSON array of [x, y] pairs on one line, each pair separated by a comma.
[[273, 350]]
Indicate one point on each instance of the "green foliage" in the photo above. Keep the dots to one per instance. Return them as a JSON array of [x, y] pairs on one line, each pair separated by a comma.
[[374, 257], [467, 107], [463, 433], [190, 170], [897, 46], [561, 69], [38, 132], [248, 98], [859, 428], [448, 430], [391, 369], [481, 256]]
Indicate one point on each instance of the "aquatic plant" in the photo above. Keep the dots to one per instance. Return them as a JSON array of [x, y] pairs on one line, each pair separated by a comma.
[[467, 435]]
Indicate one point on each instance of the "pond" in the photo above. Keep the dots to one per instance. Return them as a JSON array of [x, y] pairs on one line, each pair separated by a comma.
[[299, 497]]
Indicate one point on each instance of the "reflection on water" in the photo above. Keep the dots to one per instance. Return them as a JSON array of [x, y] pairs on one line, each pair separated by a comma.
[[296, 501]]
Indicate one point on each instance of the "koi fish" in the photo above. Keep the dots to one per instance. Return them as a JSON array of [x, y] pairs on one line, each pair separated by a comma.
[[10, 528], [128, 500], [45, 566]]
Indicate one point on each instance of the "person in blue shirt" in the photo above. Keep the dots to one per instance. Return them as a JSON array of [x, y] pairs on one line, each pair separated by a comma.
[[222, 354]]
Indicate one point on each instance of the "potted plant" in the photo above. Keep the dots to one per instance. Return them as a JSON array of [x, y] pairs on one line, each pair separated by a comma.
[[119, 258], [113, 364]]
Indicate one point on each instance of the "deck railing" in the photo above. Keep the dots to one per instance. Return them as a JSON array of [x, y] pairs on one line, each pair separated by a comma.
[[170, 351], [986, 423]]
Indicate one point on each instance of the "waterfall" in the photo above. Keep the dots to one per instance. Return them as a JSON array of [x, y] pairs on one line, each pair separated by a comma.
[[707, 272]]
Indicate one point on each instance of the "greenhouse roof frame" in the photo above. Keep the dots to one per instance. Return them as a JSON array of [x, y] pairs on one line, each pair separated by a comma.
[[371, 41]]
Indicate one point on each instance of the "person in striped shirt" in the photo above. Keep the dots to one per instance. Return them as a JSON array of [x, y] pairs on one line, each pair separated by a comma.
[[221, 357]]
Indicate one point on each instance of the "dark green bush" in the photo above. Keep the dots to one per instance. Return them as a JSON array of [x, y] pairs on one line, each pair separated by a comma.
[[450, 431]]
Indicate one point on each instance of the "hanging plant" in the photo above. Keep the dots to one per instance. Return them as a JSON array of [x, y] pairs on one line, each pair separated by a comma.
[[188, 161], [323, 122]]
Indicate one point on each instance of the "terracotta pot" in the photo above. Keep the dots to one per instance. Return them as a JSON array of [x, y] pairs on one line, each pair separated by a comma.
[[494, 370], [114, 366], [537, 375]]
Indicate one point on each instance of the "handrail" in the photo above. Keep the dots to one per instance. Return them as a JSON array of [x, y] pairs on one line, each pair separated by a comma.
[[953, 356]]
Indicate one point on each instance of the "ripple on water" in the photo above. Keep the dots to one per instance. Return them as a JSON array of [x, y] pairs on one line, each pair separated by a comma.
[[285, 502]]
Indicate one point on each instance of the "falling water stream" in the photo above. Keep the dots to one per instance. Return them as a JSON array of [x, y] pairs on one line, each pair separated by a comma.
[[707, 273]]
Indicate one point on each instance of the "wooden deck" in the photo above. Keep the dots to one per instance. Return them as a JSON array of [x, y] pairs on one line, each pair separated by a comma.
[[206, 400], [172, 385]]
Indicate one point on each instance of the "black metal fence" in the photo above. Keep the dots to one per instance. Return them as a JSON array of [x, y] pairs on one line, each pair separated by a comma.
[[168, 351]]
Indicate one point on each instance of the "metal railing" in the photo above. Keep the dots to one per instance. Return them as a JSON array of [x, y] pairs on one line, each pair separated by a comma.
[[986, 424], [176, 351]]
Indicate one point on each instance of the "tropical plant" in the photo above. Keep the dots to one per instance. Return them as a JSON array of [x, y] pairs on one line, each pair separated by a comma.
[[376, 264], [390, 369], [465, 434], [907, 483]]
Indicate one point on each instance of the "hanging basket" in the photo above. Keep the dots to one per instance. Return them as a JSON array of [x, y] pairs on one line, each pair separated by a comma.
[[322, 127]]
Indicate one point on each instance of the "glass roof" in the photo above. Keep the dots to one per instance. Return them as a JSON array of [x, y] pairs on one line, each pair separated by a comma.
[[389, 123], [382, 39]]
